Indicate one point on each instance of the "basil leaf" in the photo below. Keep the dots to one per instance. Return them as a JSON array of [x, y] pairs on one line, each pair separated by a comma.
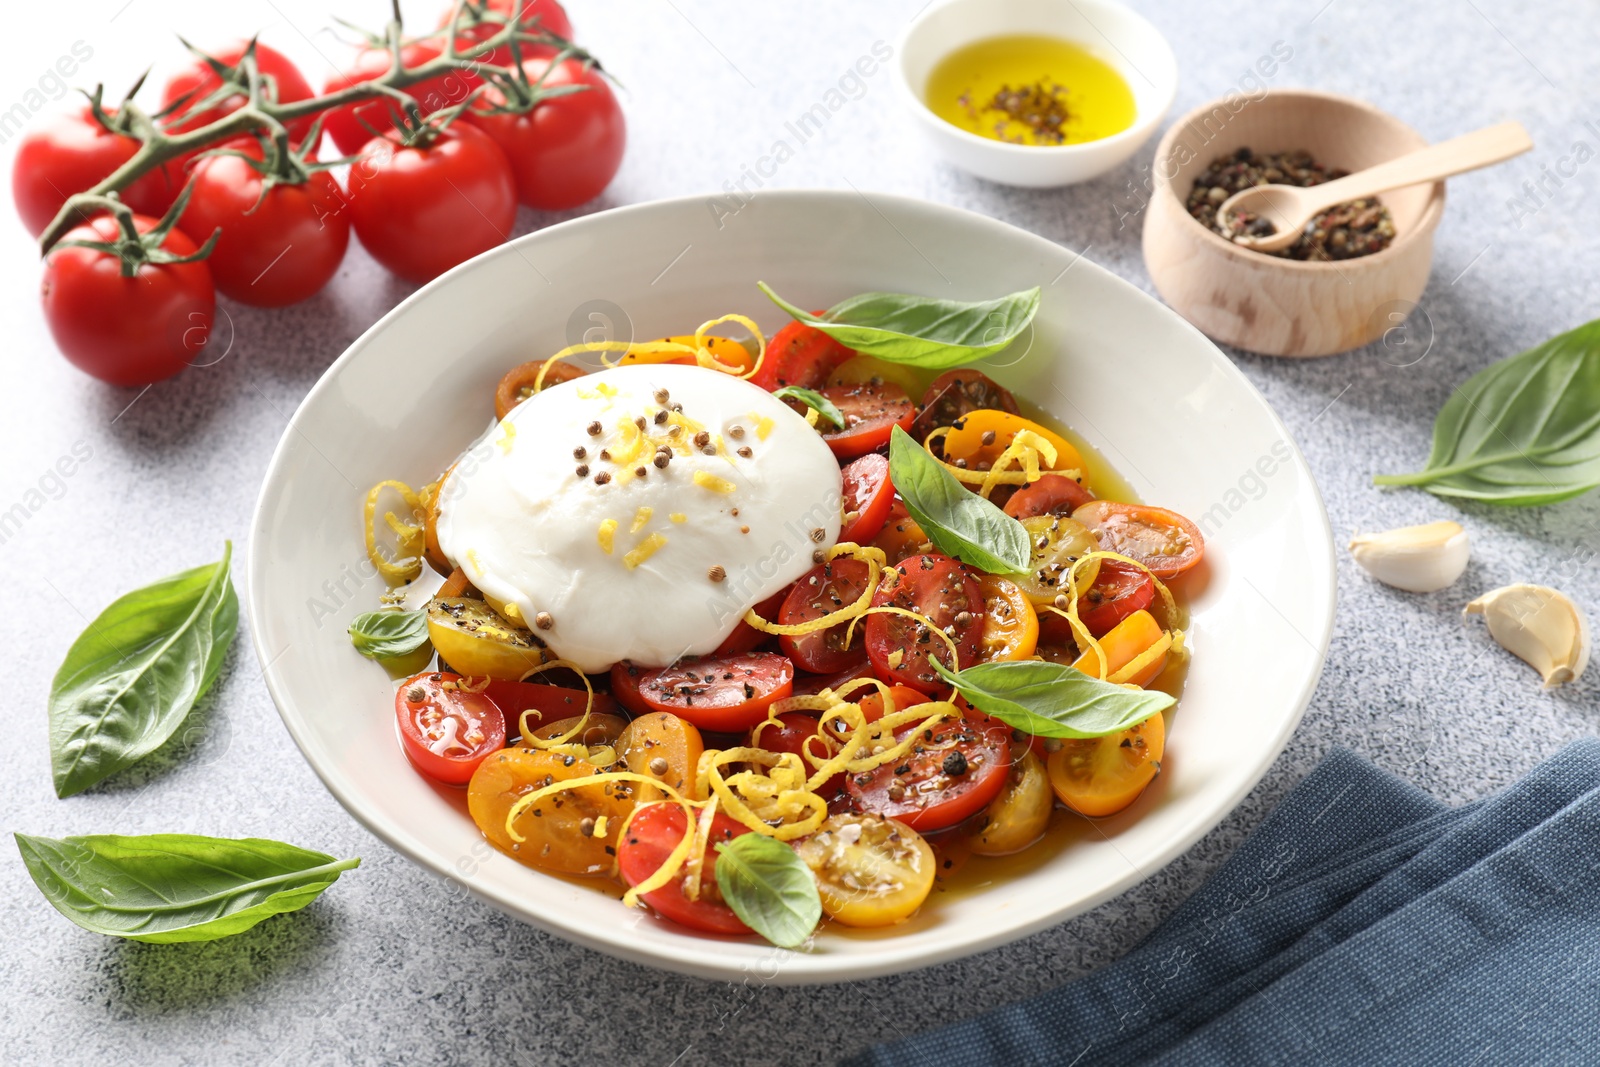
[[175, 887], [921, 330], [387, 634], [824, 407], [1522, 431], [770, 888], [959, 522], [1052, 699], [131, 678]]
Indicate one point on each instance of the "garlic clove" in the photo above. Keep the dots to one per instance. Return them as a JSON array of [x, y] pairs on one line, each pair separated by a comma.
[[1419, 559], [1540, 625]]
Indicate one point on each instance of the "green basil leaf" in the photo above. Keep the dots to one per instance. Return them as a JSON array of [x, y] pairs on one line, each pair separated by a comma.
[[824, 407], [175, 887], [131, 678], [1052, 699], [770, 888], [387, 634], [959, 522], [1523, 431], [921, 330]]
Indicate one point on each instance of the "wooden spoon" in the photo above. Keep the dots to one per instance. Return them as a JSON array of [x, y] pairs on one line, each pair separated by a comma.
[[1290, 207]]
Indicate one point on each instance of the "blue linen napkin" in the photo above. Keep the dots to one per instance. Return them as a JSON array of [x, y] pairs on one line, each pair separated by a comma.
[[1364, 922]]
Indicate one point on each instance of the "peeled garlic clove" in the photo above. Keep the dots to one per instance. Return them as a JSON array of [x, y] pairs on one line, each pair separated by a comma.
[[1540, 625], [1419, 559]]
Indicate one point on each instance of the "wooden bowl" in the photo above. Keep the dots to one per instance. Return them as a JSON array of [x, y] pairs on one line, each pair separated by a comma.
[[1266, 304]]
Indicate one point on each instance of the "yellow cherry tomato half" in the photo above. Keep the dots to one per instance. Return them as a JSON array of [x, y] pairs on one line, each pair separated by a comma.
[[1020, 814], [476, 642], [1055, 543], [1010, 625], [870, 871], [561, 832], [1103, 775], [664, 747]]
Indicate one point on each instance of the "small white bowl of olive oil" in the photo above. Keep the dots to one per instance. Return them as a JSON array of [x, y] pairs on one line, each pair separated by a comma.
[[1036, 93]]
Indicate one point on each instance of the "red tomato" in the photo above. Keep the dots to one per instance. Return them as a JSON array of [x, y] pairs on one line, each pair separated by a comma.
[[811, 684], [197, 80], [345, 124], [794, 730], [800, 355], [1119, 590], [127, 331], [422, 210], [871, 410], [955, 393], [1052, 494], [70, 153], [946, 593], [552, 19], [746, 637], [277, 248], [872, 704], [821, 591], [447, 732], [553, 702], [625, 679], [655, 831], [719, 692], [567, 149], [868, 494], [942, 780], [1162, 540]]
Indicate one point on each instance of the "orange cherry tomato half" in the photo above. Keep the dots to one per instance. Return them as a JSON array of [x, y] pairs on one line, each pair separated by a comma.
[[446, 731], [901, 536], [517, 385], [655, 831], [821, 591], [1102, 775], [1052, 494], [724, 693], [1010, 623], [868, 493], [943, 779], [980, 436], [871, 411], [1162, 540], [800, 355], [945, 592]]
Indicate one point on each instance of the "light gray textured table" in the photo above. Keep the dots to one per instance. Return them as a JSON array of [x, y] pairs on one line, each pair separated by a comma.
[[391, 965]]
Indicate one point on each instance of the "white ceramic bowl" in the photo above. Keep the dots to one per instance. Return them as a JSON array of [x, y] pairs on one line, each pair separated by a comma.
[[1114, 33], [1162, 403]]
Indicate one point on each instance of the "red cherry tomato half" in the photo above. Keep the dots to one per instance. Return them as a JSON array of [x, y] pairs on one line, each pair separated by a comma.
[[655, 831], [955, 393], [1119, 590], [800, 355], [871, 410], [553, 702], [821, 591], [942, 780], [945, 592], [127, 331], [198, 81], [903, 696], [348, 125], [719, 692], [1162, 540], [746, 637], [280, 244], [807, 684], [70, 153], [445, 731], [625, 679], [868, 494], [420, 210], [792, 732], [567, 149], [1052, 494]]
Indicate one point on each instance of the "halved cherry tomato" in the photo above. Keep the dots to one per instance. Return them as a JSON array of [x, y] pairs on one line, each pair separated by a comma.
[[1135, 651], [664, 747], [1103, 775], [455, 585], [517, 385], [979, 437], [598, 730], [1055, 544], [1010, 625], [873, 706], [800, 355], [447, 731], [563, 831], [474, 639], [433, 551], [1052, 494], [808, 684], [552, 702], [792, 732], [945, 592], [860, 368], [943, 779], [821, 591], [1021, 813], [746, 637], [1119, 590], [725, 349], [956, 393], [867, 496], [901, 536], [656, 830], [719, 692], [870, 412], [870, 871], [625, 679], [1162, 540]]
